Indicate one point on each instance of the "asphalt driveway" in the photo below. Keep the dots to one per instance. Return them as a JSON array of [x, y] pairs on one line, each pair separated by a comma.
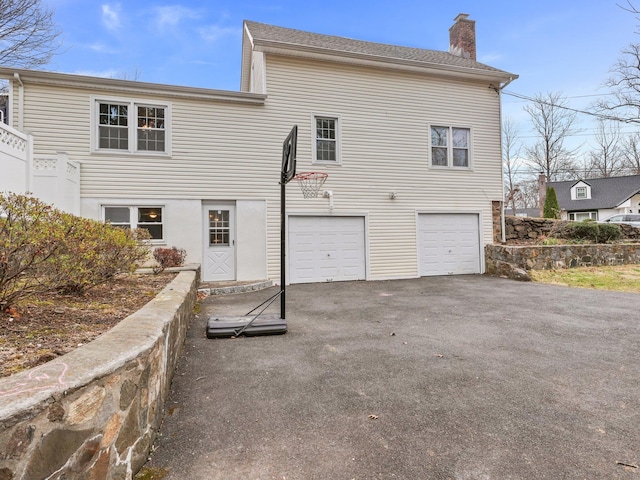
[[465, 377]]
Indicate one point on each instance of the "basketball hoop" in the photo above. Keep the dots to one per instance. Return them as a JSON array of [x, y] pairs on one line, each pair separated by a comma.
[[310, 183]]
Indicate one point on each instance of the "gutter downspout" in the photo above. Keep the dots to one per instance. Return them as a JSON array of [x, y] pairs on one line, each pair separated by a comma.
[[16, 77], [503, 223]]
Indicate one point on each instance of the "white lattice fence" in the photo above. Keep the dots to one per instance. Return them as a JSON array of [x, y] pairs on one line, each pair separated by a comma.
[[14, 159]]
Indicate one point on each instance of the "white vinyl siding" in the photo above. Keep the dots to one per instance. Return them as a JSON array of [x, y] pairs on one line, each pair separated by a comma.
[[223, 150]]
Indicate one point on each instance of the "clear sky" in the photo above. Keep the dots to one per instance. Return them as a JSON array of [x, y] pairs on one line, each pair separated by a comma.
[[565, 46]]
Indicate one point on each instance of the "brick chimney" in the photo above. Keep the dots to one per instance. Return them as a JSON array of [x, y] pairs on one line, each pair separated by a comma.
[[462, 37]]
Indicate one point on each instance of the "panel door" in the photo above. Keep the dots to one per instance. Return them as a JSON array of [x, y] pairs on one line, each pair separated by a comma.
[[449, 244], [326, 249], [219, 259]]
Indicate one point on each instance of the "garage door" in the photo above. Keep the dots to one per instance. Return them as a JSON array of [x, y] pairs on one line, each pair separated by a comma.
[[326, 249], [449, 244]]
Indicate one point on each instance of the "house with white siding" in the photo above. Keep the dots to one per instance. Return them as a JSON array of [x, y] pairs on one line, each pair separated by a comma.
[[597, 198], [410, 139]]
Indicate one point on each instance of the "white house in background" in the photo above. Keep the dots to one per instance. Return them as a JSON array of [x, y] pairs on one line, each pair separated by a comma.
[[597, 198], [410, 139]]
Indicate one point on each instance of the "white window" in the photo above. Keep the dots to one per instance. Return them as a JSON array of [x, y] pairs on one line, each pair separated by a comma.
[[327, 139], [580, 216], [581, 193], [132, 127], [450, 147], [149, 218]]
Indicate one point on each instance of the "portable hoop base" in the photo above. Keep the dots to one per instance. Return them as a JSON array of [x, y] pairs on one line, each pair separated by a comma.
[[227, 327]]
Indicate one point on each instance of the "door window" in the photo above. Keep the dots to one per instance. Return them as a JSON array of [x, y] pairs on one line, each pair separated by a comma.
[[219, 228]]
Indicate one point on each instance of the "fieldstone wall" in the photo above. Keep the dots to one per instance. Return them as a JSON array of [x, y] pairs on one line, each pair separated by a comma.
[[93, 413], [501, 258], [522, 230]]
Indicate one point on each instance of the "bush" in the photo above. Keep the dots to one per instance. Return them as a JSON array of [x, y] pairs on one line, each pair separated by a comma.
[[93, 253], [31, 232], [43, 249], [169, 257], [592, 232], [608, 232]]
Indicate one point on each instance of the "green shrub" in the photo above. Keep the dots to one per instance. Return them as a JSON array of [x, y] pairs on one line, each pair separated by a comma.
[[43, 249], [93, 253], [31, 232], [592, 232], [609, 232]]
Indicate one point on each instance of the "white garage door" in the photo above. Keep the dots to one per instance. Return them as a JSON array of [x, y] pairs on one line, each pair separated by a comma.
[[326, 249], [449, 244]]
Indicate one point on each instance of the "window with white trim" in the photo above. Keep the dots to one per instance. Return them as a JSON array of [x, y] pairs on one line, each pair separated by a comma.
[[149, 218], [327, 139], [580, 216], [450, 147], [133, 127], [581, 193]]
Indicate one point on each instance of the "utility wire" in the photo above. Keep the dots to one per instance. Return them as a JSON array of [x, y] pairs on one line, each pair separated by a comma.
[[576, 110]]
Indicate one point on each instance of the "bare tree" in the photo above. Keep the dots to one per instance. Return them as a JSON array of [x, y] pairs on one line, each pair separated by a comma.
[[631, 153], [529, 194], [625, 81], [28, 34], [606, 159], [510, 159], [553, 123]]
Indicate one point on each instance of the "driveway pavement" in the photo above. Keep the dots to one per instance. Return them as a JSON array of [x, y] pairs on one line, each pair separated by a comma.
[[464, 377]]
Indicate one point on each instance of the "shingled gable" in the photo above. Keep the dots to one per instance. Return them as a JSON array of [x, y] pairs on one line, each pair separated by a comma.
[[286, 41], [605, 192]]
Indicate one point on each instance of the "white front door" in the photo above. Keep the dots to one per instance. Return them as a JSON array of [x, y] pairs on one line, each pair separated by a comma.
[[219, 259]]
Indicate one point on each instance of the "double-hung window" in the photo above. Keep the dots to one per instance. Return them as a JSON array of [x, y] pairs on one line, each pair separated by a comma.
[[149, 218], [450, 147], [132, 127], [326, 130]]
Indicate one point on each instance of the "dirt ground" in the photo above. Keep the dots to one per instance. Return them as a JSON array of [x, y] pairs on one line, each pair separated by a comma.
[[43, 328]]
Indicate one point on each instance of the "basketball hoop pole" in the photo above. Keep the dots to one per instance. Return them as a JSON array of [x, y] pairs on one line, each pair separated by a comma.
[[283, 263], [287, 172]]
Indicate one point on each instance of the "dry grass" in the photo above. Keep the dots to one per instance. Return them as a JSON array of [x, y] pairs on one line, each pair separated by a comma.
[[622, 278]]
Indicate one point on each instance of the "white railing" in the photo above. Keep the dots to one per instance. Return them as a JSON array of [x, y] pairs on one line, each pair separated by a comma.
[[56, 180], [52, 178], [15, 157]]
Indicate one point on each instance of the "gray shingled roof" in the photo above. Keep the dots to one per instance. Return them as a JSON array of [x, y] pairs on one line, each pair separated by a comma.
[[605, 192], [263, 33]]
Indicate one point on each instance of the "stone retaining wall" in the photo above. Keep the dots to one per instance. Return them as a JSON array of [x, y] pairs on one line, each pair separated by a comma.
[[529, 229], [501, 258], [93, 413]]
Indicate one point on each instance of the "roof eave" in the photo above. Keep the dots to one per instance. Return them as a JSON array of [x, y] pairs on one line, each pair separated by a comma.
[[131, 87], [332, 55], [245, 67]]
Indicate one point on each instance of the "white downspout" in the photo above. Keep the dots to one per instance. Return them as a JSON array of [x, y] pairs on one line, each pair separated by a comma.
[[16, 77]]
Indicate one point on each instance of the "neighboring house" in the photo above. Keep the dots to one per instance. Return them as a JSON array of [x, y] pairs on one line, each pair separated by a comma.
[[597, 198], [410, 139]]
